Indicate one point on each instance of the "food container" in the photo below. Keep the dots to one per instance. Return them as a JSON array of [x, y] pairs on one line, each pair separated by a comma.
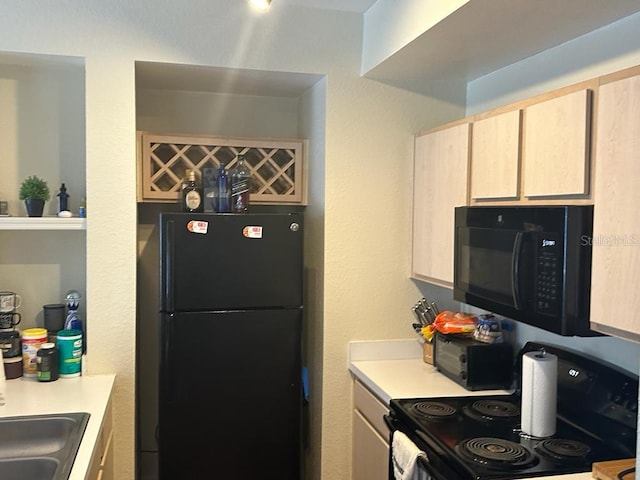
[[427, 352], [70, 353], [48, 363], [32, 340]]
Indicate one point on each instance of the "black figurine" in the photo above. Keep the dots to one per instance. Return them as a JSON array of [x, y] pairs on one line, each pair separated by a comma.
[[62, 199]]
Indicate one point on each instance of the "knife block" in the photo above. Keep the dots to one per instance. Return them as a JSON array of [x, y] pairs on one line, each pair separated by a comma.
[[427, 352]]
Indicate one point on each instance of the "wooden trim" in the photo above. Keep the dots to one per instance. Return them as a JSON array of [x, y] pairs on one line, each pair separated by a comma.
[[455, 123], [590, 84], [615, 332], [278, 166], [619, 75], [433, 281]]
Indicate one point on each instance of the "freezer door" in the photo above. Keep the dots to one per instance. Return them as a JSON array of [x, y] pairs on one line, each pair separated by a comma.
[[216, 262], [230, 395]]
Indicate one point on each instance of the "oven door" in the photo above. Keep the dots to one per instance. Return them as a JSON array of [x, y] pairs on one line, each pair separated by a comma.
[[434, 466]]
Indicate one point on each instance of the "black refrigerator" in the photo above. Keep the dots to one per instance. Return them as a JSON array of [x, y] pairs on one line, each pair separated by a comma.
[[230, 403]]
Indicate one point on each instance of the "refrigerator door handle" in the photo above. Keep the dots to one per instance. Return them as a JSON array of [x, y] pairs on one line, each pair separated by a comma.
[[167, 333], [169, 255]]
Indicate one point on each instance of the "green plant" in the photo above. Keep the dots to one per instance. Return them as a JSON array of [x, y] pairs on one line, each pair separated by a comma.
[[34, 187]]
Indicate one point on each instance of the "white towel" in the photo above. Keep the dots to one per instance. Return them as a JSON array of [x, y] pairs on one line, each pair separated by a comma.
[[404, 456]]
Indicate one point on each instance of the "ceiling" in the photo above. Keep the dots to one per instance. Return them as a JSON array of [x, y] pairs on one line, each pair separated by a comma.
[[477, 39], [484, 36], [195, 78], [359, 6]]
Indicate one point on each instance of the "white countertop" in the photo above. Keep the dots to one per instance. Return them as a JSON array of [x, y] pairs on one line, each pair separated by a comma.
[[82, 394], [395, 369]]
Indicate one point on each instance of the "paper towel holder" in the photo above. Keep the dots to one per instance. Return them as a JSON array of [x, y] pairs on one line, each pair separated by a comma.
[[542, 353]]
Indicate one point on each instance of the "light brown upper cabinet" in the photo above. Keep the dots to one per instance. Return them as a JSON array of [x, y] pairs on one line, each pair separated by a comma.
[[495, 157], [556, 139], [440, 184], [616, 231]]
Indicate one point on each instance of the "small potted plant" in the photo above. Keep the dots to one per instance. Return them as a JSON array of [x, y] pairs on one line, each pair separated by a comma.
[[35, 192]]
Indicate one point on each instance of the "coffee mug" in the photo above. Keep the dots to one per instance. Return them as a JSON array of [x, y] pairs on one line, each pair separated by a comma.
[[9, 320], [9, 301], [10, 344]]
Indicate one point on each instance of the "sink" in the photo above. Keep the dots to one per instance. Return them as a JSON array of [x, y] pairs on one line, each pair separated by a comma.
[[40, 447], [29, 468]]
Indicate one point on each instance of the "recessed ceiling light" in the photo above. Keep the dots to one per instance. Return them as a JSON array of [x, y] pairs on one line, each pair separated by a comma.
[[261, 4]]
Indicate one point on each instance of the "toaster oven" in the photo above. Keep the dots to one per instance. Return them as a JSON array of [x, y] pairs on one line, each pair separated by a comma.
[[472, 364]]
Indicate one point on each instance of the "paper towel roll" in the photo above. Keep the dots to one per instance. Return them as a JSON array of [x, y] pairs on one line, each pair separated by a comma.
[[539, 391]]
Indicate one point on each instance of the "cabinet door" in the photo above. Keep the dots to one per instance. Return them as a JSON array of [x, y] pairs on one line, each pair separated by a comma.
[[495, 157], [440, 184], [556, 146], [616, 231], [370, 451], [101, 467], [106, 466]]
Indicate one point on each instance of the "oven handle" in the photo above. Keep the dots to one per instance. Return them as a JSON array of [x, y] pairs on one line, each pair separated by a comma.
[[388, 420], [423, 462]]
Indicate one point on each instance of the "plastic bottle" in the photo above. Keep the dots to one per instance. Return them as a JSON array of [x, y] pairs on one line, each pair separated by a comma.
[[224, 190], [82, 210], [48, 363], [191, 193], [73, 320], [240, 186]]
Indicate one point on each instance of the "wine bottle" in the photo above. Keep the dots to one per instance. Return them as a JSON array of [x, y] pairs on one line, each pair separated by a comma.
[[224, 192]]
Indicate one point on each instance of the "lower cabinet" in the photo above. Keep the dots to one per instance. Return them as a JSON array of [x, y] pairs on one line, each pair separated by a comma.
[[370, 436], [101, 467]]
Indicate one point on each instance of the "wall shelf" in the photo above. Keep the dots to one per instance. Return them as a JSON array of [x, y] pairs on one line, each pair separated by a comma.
[[42, 223]]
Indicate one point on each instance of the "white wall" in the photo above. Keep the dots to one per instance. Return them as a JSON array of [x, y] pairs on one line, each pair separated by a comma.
[[206, 113], [608, 49], [390, 25], [363, 199]]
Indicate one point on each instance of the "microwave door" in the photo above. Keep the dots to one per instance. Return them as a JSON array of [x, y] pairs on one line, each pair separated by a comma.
[[491, 267]]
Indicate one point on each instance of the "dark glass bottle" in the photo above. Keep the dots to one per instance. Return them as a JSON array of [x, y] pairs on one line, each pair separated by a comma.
[[224, 189], [63, 198], [240, 186], [191, 193]]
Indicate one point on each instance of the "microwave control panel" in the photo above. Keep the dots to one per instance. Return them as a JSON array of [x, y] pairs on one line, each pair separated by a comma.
[[548, 297]]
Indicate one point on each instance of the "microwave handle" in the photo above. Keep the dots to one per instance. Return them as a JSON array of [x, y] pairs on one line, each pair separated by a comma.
[[515, 269]]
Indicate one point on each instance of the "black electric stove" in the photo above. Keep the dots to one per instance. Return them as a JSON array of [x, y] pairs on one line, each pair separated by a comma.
[[479, 437]]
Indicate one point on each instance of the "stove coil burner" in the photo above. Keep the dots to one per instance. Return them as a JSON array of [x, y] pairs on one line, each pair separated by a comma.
[[493, 410], [434, 410], [495, 453], [562, 450]]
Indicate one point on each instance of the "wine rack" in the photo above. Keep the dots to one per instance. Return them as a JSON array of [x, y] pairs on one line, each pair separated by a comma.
[[277, 166]]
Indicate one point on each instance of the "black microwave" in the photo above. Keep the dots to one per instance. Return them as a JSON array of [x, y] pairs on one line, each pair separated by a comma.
[[531, 264]]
